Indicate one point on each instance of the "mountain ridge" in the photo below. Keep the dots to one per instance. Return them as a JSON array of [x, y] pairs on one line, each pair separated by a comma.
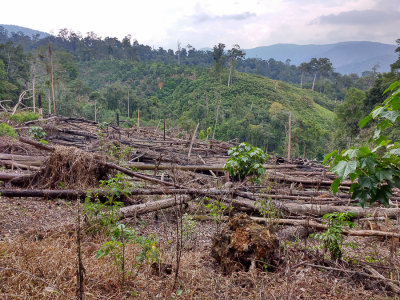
[[346, 57], [25, 30]]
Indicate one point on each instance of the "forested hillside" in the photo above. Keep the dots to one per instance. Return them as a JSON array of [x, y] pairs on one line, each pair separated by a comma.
[[101, 78]]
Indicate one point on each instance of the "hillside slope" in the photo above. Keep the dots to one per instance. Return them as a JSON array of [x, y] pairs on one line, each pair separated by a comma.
[[253, 109]]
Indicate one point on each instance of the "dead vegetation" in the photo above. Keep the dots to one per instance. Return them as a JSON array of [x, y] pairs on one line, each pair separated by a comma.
[[240, 252]]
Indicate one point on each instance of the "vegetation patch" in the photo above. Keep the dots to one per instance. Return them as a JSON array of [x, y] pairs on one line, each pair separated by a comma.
[[7, 130]]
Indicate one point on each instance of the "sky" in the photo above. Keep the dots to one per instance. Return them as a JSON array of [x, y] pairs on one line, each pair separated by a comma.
[[205, 23]]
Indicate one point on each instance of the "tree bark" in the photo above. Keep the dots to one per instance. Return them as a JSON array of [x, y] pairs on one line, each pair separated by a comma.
[[192, 140], [52, 79], [313, 84], [144, 208]]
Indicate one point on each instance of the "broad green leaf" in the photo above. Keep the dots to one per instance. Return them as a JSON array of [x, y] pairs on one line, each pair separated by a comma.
[[384, 174], [351, 153], [383, 194], [395, 93], [344, 168], [390, 115], [369, 163], [335, 185], [367, 182], [377, 111], [364, 121], [361, 195], [328, 156], [363, 151], [392, 87], [377, 134]]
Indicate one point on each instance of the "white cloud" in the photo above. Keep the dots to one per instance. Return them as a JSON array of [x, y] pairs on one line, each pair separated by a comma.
[[204, 23]]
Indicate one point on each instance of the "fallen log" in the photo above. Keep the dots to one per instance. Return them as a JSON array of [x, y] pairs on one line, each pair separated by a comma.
[[320, 210], [10, 176], [31, 160], [135, 174], [35, 144], [144, 208], [313, 224], [11, 164]]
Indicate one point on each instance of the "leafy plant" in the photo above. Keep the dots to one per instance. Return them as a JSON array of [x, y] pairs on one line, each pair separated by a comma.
[[202, 135], [24, 116], [188, 226], [246, 160], [332, 238], [106, 214], [377, 170], [7, 130], [216, 211], [37, 133], [121, 236], [267, 208]]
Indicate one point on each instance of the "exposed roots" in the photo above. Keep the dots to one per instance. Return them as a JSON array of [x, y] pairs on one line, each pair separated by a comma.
[[245, 245], [69, 167]]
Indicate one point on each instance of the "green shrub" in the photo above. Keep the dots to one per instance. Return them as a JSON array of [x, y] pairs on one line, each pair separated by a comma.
[[246, 161], [37, 133], [332, 237], [24, 116], [7, 130]]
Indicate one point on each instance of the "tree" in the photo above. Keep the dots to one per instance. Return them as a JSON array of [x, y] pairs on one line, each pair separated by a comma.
[[396, 65], [304, 68], [219, 58], [233, 55], [349, 113], [320, 66]]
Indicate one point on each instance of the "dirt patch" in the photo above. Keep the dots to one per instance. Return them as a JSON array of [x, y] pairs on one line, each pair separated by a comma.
[[244, 244]]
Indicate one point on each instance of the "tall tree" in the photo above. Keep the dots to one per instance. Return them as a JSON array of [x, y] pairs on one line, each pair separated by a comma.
[[320, 66], [219, 58], [233, 55], [304, 68]]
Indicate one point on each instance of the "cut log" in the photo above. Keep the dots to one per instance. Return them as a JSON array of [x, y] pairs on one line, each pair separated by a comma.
[[139, 209], [10, 176], [31, 160], [313, 224], [36, 144], [320, 210], [135, 174]]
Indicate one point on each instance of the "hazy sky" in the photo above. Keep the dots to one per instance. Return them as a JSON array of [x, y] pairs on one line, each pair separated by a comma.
[[249, 23]]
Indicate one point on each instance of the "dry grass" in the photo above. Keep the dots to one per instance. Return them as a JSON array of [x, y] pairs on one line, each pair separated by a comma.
[[52, 258]]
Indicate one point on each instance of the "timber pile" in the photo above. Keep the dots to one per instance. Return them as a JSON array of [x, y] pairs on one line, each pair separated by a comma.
[[171, 166], [148, 144]]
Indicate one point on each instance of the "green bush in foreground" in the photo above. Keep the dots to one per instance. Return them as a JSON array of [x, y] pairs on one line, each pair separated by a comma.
[[246, 161]]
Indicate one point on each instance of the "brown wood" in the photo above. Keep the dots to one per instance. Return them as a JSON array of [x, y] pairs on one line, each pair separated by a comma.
[[144, 208], [313, 224]]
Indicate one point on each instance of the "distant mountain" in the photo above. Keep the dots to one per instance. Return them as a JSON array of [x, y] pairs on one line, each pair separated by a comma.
[[346, 57], [24, 30]]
